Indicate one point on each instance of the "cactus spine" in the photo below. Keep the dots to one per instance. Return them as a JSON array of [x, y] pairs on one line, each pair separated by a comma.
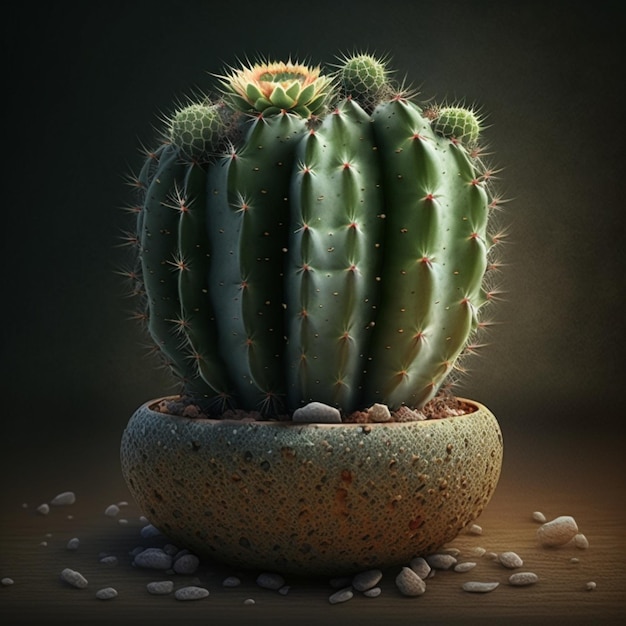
[[315, 238]]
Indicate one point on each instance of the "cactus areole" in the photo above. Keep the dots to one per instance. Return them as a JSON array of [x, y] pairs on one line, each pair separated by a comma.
[[307, 236], [310, 238]]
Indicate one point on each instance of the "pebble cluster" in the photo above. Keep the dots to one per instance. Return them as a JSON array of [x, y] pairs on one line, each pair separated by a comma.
[[410, 580]]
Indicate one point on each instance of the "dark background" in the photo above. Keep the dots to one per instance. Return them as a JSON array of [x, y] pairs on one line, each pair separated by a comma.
[[85, 84]]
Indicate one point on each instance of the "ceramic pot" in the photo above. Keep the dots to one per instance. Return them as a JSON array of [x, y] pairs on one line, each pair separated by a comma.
[[312, 499]]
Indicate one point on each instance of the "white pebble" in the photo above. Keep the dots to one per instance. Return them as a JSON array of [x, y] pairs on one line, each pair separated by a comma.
[[478, 551], [268, 580], [191, 593], [44, 544], [122, 521], [374, 592], [420, 566], [143, 519], [441, 561], [231, 581], [249, 602], [43, 509], [149, 531], [538, 516], [580, 541], [343, 595], [558, 532], [64, 499], [186, 564], [379, 413], [160, 587], [574, 560], [7, 581], [317, 412], [112, 510], [366, 580], [74, 578], [409, 583], [73, 544], [522, 579], [109, 560], [510, 560], [590, 586], [479, 587], [108, 593], [153, 558], [475, 529], [466, 566], [122, 503]]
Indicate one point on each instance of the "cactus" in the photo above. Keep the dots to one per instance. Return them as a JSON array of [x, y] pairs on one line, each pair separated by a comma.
[[309, 236]]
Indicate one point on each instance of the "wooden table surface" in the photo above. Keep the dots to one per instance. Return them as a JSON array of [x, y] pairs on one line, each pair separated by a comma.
[[579, 477]]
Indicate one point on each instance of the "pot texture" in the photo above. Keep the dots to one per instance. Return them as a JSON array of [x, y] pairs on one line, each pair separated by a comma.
[[313, 499]]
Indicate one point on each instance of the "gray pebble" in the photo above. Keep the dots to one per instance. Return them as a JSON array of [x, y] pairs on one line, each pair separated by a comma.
[[111, 561], [374, 592], [231, 581], [538, 516], [74, 578], [466, 566], [7, 581], [510, 560], [343, 595], [73, 544], [112, 510], [441, 561], [268, 580], [479, 587], [153, 558], [591, 586], [366, 580], [108, 593], [420, 566], [160, 587], [186, 564], [409, 583], [249, 602], [63, 499], [43, 509], [522, 579], [149, 531], [191, 593], [475, 529], [557, 532], [317, 412], [283, 591]]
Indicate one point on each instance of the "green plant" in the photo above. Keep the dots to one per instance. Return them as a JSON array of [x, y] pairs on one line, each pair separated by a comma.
[[310, 236]]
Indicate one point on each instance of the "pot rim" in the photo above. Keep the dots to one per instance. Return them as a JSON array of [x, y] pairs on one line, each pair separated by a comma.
[[478, 407]]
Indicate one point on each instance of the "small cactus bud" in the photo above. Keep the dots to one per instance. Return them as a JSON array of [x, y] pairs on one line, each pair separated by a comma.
[[458, 123], [197, 129]]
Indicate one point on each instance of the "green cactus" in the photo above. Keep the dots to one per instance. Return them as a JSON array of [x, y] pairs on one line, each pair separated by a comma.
[[315, 237]]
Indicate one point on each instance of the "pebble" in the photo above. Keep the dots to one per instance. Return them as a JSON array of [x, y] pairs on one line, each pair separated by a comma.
[[441, 561], [466, 566], [149, 531], [522, 579], [231, 581], [160, 587], [249, 601], [64, 499], [538, 516], [271, 581], [478, 551], [153, 558], [479, 587], [510, 560], [111, 561], [73, 544], [590, 586], [74, 578], [317, 412], [475, 529], [112, 510], [409, 583], [343, 595], [374, 592], [420, 566], [379, 413], [558, 532], [574, 560], [366, 580], [7, 581], [186, 564], [108, 593], [283, 591], [43, 509], [191, 593], [580, 541]]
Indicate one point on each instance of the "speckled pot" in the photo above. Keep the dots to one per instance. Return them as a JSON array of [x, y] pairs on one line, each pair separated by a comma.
[[313, 499]]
